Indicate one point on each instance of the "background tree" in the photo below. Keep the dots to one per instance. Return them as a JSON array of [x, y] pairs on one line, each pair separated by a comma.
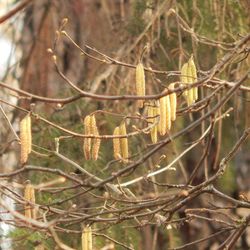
[[189, 189]]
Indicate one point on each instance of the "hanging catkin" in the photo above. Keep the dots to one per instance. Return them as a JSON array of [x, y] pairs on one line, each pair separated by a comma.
[[96, 141], [124, 142], [140, 82], [168, 112], [163, 118], [193, 72], [152, 113], [87, 141], [184, 77], [157, 110], [91, 146], [87, 243], [25, 138], [190, 96], [29, 195], [173, 102], [189, 76], [116, 144]]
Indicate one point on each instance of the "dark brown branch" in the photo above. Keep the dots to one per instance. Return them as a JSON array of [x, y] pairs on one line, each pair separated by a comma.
[[15, 10]]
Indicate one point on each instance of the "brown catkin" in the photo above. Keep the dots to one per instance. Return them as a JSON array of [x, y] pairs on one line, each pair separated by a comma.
[[96, 141], [173, 102], [116, 144], [25, 138], [124, 142], [29, 195], [87, 242], [163, 118], [193, 72], [140, 82], [87, 141]]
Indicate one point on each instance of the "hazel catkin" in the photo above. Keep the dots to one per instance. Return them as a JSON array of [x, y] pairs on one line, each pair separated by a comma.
[[140, 82], [173, 102], [189, 76], [29, 195], [193, 73], [116, 144], [152, 113], [124, 142], [25, 138], [87, 141], [96, 141], [87, 242]]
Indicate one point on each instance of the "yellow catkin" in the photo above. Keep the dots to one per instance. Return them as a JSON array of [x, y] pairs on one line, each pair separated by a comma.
[[157, 112], [87, 141], [33, 200], [163, 118], [29, 133], [193, 72], [152, 112], [29, 195], [124, 142], [184, 77], [168, 112], [173, 102], [140, 82], [116, 144], [96, 141], [190, 96], [87, 243], [25, 138], [27, 207]]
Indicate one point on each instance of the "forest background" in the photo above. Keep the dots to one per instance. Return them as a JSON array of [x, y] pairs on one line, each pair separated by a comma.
[[73, 58]]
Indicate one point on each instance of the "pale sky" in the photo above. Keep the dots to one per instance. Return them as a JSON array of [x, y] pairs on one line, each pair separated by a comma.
[[5, 44]]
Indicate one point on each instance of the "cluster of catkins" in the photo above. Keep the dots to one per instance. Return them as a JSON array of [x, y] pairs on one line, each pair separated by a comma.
[[160, 113]]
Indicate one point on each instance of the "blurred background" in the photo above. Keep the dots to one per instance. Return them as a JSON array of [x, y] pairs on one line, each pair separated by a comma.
[[120, 29]]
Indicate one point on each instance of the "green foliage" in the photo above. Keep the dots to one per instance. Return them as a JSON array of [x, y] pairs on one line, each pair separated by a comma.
[[28, 239], [136, 23], [227, 183]]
